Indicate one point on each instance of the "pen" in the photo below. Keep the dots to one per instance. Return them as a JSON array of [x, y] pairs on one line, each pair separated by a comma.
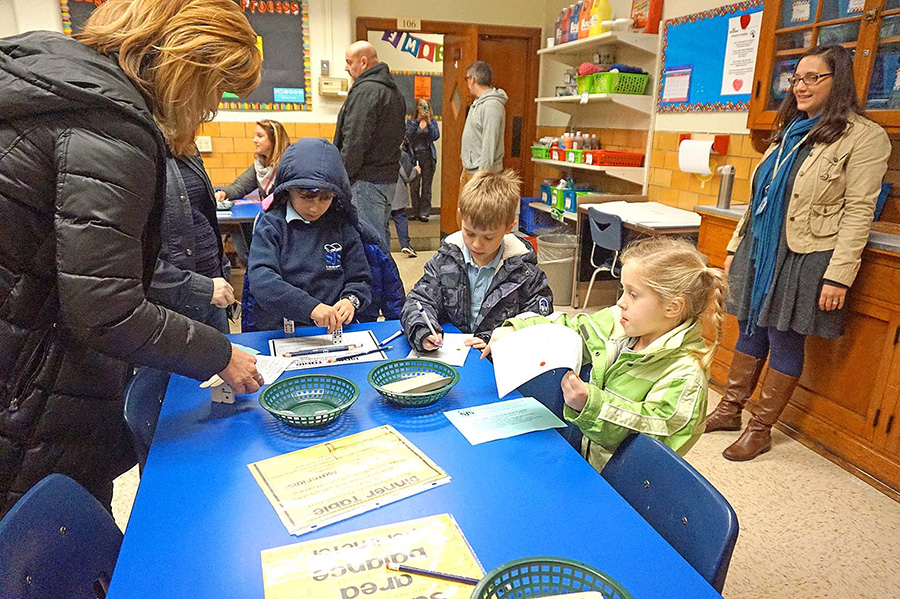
[[318, 350], [364, 353], [428, 322], [432, 574], [391, 338]]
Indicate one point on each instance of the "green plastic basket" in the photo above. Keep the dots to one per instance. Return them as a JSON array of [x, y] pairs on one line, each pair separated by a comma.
[[543, 577], [541, 152], [620, 83], [309, 400], [396, 370]]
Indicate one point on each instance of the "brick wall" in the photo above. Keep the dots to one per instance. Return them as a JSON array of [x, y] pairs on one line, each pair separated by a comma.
[[232, 145], [671, 186]]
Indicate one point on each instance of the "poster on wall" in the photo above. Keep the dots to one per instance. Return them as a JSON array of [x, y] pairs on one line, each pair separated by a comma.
[[282, 29], [715, 76]]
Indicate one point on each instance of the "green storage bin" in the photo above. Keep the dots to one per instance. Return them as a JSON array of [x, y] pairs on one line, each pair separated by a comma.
[[619, 83], [575, 156], [584, 83], [541, 152]]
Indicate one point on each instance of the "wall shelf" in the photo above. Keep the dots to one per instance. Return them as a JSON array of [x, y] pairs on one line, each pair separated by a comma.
[[644, 42], [634, 174], [643, 104]]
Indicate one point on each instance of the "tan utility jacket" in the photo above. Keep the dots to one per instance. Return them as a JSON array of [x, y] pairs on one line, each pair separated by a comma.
[[833, 200]]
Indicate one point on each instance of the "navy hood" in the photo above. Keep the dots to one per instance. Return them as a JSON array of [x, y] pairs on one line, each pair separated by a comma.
[[314, 163]]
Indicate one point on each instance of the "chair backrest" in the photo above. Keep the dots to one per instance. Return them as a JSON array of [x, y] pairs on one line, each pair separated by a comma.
[[547, 389], [57, 541], [143, 398], [675, 499], [606, 229]]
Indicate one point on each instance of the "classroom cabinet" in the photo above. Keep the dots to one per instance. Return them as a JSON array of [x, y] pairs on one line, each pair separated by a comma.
[[870, 29], [846, 405]]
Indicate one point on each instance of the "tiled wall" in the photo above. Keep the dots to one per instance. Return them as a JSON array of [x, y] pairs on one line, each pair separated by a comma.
[[232, 145], [671, 186]]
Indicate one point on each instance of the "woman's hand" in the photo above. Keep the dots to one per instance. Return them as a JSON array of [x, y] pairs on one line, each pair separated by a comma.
[[728, 260], [241, 373], [575, 391], [345, 311], [325, 316], [221, 196], [499, 333], [832, 298], [432, 342], [223, 293]]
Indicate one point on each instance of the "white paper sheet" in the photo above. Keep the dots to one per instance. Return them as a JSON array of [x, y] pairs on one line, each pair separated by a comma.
[[740, 53], [532, 351], [503, 420], [651, 213], [271, 368], [454, 351], [364, 340]]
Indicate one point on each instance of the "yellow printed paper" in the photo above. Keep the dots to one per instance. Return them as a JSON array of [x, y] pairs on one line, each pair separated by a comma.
[[332, 481], [353, 565]]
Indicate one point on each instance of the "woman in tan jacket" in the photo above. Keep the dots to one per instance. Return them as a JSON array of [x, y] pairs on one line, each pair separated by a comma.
[[796, 251]]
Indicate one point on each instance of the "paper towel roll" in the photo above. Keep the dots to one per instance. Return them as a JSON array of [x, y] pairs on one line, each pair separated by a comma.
[[693, 156]]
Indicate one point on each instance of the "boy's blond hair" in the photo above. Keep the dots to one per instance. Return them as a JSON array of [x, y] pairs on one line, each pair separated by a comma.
[[488, 201], [675, 268]]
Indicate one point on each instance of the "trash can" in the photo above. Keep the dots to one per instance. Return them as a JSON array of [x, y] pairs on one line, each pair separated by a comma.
[[556, 257]]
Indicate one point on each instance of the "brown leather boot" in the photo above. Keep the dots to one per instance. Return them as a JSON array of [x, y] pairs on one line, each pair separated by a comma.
[[742, 378], [757, 437]]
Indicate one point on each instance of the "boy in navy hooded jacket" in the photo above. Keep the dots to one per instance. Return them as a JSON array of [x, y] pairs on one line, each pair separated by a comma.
[[307, 262]]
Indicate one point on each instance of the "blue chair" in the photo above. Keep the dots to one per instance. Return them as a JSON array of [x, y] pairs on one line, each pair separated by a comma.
[[606, 233], [675, 499], [144, 395], [57, 541], [547, 389]]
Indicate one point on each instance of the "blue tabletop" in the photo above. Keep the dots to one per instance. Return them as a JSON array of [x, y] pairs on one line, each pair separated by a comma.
[[200, 520], [240, 213]]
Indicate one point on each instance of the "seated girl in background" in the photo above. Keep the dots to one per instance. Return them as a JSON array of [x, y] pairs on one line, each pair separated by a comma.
[[307, 262], [650, 364]]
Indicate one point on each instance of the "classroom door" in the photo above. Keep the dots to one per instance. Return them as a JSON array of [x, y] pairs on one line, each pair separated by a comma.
[[460, 50], [511, 59]]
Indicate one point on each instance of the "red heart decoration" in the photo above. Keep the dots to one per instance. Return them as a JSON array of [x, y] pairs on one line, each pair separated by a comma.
[[745, 21], [737, 84]]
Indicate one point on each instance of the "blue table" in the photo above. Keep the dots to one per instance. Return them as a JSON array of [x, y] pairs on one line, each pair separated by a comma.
[[200, 520], [240, 213]]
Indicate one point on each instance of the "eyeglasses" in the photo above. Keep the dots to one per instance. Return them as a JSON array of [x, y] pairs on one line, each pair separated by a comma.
[[811, 79]]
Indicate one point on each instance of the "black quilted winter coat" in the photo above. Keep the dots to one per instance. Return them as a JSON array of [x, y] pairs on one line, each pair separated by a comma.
[[82, 182]]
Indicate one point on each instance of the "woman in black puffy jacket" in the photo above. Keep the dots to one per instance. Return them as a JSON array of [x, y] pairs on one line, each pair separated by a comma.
[[83, 128]]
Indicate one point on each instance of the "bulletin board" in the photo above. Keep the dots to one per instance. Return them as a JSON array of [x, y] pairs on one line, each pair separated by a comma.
[[283, 33], [409, 81], [717, 74]]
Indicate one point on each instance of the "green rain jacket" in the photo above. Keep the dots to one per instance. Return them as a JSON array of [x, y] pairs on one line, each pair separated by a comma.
[[659, 391]]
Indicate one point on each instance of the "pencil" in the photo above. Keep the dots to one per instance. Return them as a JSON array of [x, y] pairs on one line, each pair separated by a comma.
[[364, 353], [428, 322], [391, 338], [318, 350], [432, 574]]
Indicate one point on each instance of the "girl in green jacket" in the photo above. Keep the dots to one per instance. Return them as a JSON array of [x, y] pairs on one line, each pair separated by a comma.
[[650, 363]]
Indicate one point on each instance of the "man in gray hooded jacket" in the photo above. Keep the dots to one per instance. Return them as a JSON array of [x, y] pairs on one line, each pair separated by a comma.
[[482, 139]]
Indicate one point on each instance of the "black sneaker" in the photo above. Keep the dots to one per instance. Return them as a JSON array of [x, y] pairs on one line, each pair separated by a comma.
[[423, 219], [409, 252]]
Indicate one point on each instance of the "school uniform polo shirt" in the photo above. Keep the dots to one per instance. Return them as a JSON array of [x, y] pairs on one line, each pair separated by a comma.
[[480, 278]]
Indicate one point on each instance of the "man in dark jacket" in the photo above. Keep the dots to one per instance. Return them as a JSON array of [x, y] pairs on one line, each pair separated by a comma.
[[370, 128], [82, 186]]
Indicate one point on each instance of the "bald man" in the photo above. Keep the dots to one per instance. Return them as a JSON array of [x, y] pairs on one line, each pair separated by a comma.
[[370, 128]]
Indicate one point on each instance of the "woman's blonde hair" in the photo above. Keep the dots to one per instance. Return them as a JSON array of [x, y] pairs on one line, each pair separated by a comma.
[[181, 54], [279, 139], [674, 268]]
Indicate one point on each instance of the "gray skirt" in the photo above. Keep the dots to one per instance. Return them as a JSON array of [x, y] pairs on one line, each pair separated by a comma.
[[793, 300]]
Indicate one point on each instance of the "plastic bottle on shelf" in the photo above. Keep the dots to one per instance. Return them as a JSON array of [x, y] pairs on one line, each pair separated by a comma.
[[584, 23], [595, 143], [578, 142], [574, 21], [600, 11], [564, 17], [654, 14]]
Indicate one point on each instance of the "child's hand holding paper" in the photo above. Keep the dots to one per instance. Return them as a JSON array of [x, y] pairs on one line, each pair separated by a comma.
[[499, 333]]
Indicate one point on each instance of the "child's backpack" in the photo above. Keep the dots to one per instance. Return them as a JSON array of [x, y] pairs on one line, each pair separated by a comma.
[[387, 288]]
